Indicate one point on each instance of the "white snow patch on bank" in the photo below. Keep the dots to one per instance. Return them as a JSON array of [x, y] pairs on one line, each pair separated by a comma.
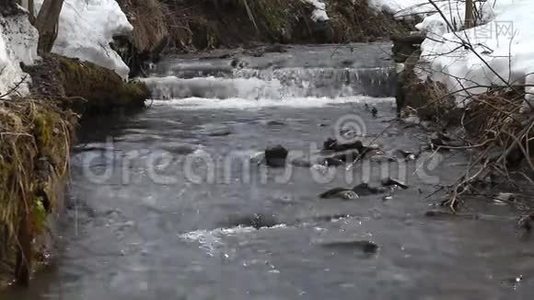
[[454, 13], [86, 28], [319, 13], [505, 43], [18, 44], [402, 8]]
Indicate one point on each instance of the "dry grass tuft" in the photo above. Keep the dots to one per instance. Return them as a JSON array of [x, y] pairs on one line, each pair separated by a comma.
[[35, 139]]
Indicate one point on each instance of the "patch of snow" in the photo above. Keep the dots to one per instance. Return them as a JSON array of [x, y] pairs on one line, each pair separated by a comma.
[[319, 13], [502, 54], [87, 27], [402, 8], [454, 13], [18, 44]]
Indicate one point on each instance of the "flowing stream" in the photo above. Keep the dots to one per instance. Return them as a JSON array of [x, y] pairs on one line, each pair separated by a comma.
[[171, 203]]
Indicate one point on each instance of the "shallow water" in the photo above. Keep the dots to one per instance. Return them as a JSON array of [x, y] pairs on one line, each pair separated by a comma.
[[146, 221]]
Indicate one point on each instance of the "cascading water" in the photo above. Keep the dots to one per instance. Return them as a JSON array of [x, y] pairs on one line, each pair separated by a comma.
[[278, 78]]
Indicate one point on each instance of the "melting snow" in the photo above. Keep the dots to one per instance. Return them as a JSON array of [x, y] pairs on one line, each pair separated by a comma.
[[86, 28], [505, 42], [18, 43], [319, 13]]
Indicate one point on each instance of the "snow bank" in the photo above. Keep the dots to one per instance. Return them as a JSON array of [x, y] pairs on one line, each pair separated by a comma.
[[18, 43], [86, 28], [505, 43], [319, 13], [454, 13], [402, 8]]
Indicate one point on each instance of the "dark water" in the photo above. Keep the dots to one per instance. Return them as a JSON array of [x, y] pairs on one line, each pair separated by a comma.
[[147, 222]]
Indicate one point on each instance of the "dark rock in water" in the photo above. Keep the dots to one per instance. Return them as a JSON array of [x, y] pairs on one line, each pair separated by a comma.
[[236, 63], [333, 145], [403, 154], [276, 156], [449, 214], [525, 223], [348, 157], [363, 189], [220, 132], [364, 246], [332, 162], [276, 48], [256, 220], [275, 123], [394, 182], [374, 112], [340, 193]]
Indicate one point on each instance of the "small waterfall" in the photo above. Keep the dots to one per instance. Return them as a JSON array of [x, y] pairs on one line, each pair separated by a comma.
[[300, 72], [278, 84]]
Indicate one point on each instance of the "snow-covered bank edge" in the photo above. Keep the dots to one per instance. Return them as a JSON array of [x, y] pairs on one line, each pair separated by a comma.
[[18, 44], [497, 52], [86, 29], [476, 86]]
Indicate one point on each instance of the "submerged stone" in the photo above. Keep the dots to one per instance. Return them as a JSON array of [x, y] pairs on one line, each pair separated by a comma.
[[367, 247], [276, 156], [364, 189], [394, 182], [340, 193]]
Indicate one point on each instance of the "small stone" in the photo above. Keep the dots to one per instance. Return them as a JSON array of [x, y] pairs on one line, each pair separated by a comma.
[[367, 247], [394, 182], [276, 156]]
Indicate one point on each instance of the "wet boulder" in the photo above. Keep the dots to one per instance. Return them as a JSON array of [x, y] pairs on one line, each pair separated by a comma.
[[334, 145], [256, 221], [405, 155], [339, 193], [364, 189], [331, 162], [276, 156], [366, 247], [392, 182], [348, 157]]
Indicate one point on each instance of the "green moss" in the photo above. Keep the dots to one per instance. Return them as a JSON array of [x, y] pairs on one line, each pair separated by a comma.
[[34, 151], [102, 88]]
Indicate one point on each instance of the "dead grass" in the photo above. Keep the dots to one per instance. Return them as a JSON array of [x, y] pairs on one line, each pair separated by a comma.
[[35, 139]]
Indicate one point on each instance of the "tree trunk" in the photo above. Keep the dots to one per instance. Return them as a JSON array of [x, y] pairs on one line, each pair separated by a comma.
[[47, 23], [469, 14], [31, 9]]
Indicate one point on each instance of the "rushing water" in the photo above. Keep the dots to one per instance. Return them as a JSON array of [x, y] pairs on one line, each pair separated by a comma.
[[157, 212]]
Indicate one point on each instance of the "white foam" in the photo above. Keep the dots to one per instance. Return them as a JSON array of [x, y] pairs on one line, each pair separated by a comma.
[[240, 103], [211, 241]]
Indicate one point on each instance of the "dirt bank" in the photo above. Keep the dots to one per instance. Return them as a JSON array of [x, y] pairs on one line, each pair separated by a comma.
[[189, 26]]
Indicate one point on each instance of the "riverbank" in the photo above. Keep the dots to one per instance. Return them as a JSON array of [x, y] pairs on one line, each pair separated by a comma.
[[169, 27], [478, 94], [36, 134]]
